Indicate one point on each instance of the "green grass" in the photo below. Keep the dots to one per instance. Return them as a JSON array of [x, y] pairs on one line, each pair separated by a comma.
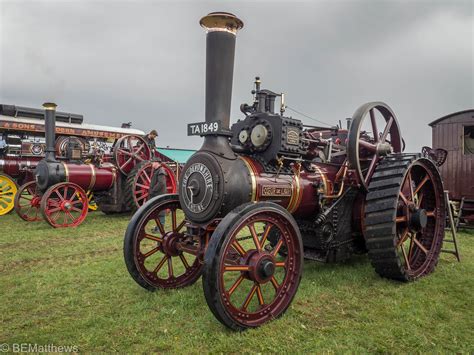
[[71, 287]]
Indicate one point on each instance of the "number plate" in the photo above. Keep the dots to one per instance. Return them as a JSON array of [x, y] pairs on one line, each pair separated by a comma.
[[203, 128]]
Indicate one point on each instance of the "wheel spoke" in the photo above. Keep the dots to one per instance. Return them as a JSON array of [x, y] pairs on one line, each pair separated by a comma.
[[261, 301], [407, 263], [277, 247], [184, 261], [152, 237], [401, 219], [236, 245], [274, 282], [249, 297], [254, 236], [170, 267], [181, 225], [420, 185], [371, 169], [70, 215], [60, 196], [173, 220], [280, 264], [418, 243], [151, 252], [410, 183], [420, 199], [146, 176], [431, 214], [235, 285], [265, 234], [367, 145], [403, 238], [160, 226], [236, 268], [386, 130], [160, 264], [374, 125], [143, 196], [404, 199]]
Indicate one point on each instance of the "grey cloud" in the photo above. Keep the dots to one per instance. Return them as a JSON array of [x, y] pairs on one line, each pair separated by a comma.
[[139, 61]]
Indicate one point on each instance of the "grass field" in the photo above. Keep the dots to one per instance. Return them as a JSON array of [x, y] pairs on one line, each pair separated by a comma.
[[71, 287]]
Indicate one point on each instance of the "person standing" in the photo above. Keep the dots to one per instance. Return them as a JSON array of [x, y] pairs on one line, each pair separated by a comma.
[[150, 139]]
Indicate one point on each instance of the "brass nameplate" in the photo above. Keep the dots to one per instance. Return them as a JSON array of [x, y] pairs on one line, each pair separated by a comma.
[[272, 190]]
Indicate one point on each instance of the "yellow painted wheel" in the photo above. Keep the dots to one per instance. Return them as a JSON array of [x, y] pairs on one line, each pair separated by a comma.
[[8, 190], [90, 198]]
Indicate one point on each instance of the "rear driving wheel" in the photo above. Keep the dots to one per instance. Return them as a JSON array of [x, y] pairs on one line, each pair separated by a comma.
[[246, 280], [141, 185], [405, 217]]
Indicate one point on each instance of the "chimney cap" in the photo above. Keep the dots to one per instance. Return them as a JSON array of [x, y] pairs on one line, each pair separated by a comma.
[[221, 21], [50, 106]]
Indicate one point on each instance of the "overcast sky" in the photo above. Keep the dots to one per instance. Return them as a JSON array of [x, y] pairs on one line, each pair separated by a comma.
[[143, 61]]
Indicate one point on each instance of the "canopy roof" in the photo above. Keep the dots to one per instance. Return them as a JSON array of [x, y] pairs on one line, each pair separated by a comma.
[[178, 155]]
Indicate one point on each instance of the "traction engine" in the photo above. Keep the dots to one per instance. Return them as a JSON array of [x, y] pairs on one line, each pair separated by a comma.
[[120, 182], [263, 195]]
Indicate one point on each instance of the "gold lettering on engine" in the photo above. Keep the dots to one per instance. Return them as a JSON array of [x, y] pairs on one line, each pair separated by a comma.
[[272, 190]]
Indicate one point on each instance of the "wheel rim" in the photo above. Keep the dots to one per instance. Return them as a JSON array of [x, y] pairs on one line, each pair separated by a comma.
[[143, 178], [420, 212], [8, 190], [64, 205], [165, 256], [27, 202], [257, 281], [129, 151], [367, 147]]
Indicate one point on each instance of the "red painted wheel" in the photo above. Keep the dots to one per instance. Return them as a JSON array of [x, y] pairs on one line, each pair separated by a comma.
[[129, 151], [27, 202], [371, 140], [405, 216], [248, 281], [139, 182], [157, 250], [64, 205]]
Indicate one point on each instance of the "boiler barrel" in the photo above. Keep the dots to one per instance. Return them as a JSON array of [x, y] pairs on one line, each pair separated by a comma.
[[15, 166], [90, 177]]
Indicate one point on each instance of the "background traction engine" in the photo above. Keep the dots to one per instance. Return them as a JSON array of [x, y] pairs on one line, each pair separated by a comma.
[[120, 182], [258, 198]]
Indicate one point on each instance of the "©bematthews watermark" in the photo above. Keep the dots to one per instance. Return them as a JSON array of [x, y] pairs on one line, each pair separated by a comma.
[[38, 348]]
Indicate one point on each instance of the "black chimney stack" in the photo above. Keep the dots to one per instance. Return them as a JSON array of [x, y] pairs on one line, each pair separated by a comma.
[[50, 130], [221, 30]]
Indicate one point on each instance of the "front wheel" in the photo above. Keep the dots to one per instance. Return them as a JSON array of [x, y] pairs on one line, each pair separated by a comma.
[[158, 251], [246, 280]]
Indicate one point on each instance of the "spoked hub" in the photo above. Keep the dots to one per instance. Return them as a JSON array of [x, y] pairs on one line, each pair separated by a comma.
[[129, 151], [372, 139], [64, 205], [27, 202], [158, 251], [247, 281], [405, 197], [8, 190]]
